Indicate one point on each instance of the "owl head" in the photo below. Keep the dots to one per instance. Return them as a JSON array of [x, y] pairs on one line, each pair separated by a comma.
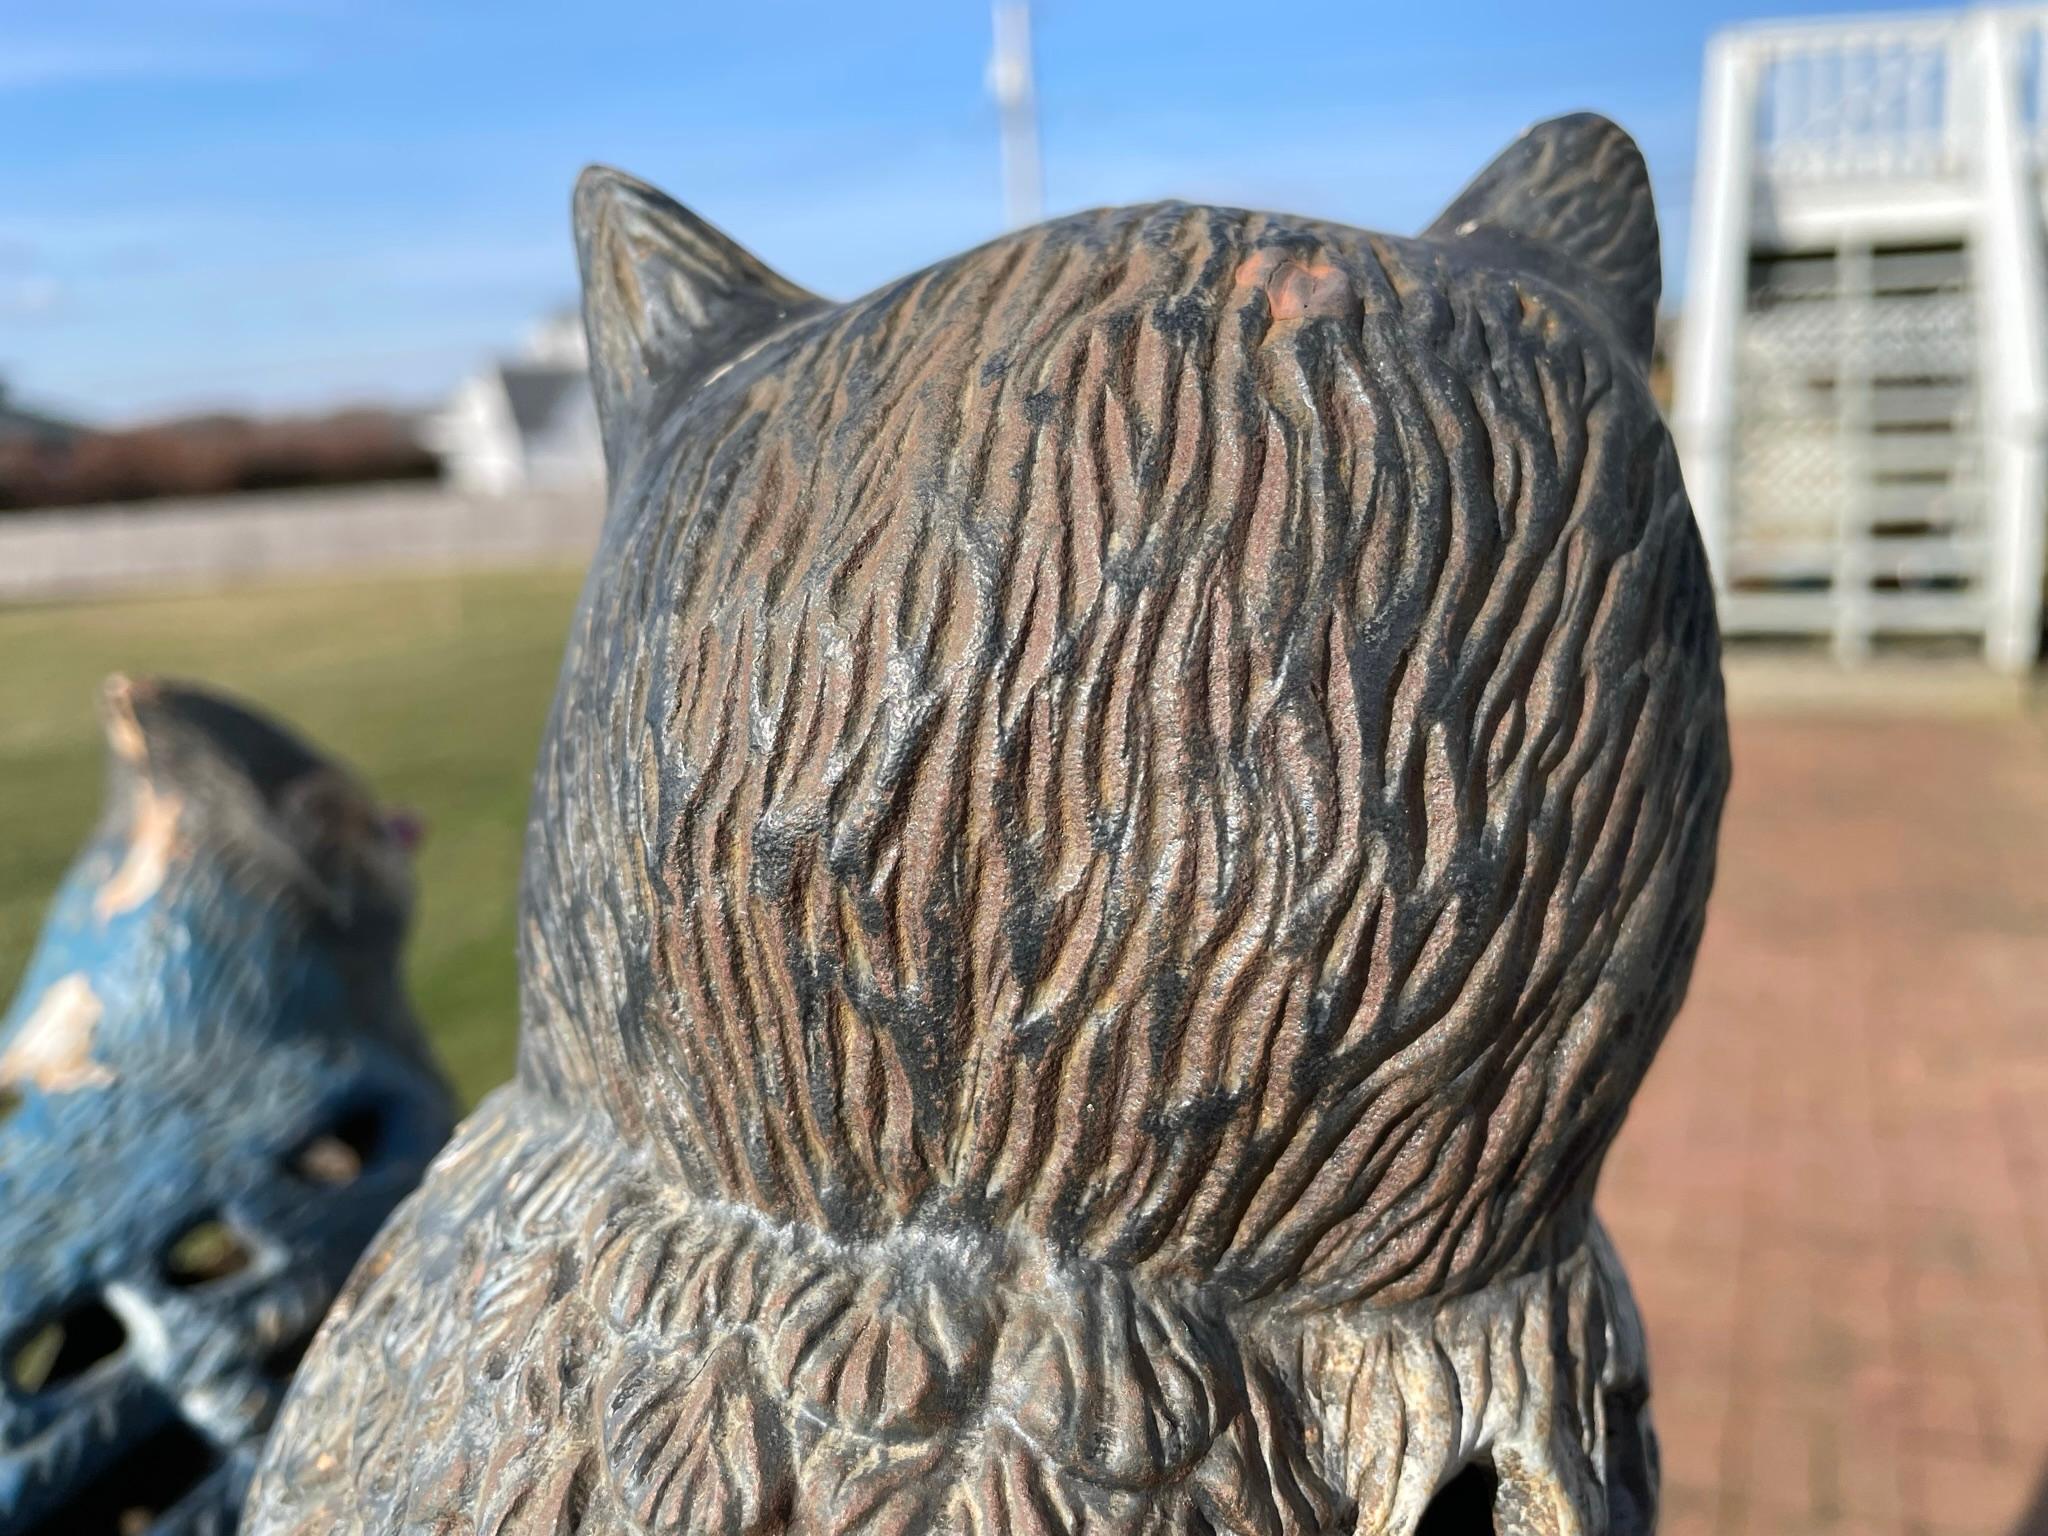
[[1185, 736], [1123, 816]]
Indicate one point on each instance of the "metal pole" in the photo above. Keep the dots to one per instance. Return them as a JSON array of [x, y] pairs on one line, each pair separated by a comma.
[[1009, 78]]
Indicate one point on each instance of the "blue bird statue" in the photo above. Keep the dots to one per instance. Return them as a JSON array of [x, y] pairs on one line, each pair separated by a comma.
[[213, 1090]]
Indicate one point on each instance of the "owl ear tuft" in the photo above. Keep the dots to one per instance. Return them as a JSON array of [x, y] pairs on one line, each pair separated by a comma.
[[667, 298], [1571, 198]]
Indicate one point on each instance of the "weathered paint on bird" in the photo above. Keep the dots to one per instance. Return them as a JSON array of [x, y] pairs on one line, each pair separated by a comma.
[[213, 1090]]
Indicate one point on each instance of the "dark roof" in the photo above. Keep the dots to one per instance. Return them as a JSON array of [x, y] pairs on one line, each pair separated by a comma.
[[17, 424], [540, 392]]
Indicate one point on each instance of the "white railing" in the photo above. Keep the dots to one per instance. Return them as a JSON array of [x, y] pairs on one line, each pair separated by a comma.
[[1880, 97], [1841, 137]]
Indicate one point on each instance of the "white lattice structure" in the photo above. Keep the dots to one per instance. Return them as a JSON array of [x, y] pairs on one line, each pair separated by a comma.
[[1863, 385]]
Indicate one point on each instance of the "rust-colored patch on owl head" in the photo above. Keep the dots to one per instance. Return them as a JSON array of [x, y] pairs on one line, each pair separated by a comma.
[[1297, 287]]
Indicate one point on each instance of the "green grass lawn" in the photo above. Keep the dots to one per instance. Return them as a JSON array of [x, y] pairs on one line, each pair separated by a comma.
[[436, 688]]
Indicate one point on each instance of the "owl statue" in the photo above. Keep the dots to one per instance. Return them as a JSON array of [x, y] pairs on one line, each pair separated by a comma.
[[212, 1093], [1122, 819]]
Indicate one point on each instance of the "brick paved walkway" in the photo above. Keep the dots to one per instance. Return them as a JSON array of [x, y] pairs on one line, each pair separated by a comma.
[[1832, 1193]]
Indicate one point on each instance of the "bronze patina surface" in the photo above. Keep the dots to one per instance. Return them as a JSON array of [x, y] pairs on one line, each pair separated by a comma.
[[1123, 817]]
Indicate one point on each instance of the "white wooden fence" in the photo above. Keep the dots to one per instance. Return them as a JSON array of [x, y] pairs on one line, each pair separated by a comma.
[[186, 545]]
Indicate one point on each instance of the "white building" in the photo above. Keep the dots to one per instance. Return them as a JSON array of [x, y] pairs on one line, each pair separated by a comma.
[[527, 422], [1861, 377]]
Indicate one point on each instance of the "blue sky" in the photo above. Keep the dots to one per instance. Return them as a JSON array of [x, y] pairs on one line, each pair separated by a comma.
[[277, 204]]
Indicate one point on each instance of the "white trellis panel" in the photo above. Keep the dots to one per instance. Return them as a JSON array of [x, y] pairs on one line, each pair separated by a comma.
[[1862, 387]]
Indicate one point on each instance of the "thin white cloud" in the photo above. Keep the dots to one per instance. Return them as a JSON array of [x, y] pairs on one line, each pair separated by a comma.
[[28, 66], [30, 298]]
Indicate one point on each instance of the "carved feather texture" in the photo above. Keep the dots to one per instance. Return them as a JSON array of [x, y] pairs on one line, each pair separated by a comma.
[[1058, 745], [1123, 818], [1573, 196], [691, 1369], [666, 298]]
